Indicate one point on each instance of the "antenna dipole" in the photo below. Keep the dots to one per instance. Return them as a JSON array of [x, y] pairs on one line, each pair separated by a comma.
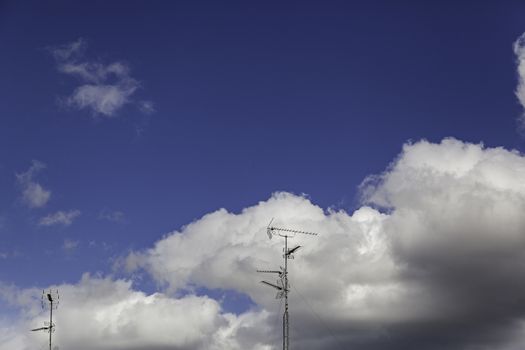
[[50, 299], [282, 283]]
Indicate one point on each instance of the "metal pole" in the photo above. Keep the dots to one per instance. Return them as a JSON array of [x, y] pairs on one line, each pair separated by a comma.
[[286, 341], [282, 284], [50, 322]]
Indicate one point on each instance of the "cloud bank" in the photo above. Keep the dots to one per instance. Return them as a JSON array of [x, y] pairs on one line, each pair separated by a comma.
[[104, 88], [432, 260], [435, 264], [101, 313]]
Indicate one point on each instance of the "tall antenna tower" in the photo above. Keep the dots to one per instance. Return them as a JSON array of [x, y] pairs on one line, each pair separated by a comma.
[[50, 300], [282, 285]]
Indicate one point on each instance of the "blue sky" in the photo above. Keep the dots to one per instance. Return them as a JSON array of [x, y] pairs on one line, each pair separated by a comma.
[[122, 122]]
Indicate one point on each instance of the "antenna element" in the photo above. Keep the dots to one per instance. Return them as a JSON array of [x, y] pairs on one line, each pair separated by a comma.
[[50, 300]]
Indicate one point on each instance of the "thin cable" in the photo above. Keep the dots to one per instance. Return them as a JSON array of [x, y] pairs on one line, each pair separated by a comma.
[[339, 345]]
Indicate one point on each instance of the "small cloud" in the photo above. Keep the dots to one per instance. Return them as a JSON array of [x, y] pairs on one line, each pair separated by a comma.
[[104, 88], [114, 216], [70, 245], [95, 72], [519, 51], [7, 255], [68, 51], [59, 218], [33, 194], [146, 107], [104, 100], [100, 245]]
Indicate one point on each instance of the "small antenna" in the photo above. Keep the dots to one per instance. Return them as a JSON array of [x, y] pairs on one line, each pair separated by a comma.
[[283, 286], [50, 300], [269, 229], [272, 231]]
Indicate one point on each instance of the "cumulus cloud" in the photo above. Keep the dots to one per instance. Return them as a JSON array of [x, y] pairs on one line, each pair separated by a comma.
[[107, 314], [64, 218], [432, 260], [346, 274], [33, 194], [104, 88]]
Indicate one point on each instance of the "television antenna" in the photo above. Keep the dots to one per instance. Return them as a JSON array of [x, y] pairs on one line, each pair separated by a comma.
[[50, 300], [282, 285]]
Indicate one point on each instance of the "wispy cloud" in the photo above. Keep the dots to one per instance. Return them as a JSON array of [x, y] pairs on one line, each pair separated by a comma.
[[519, 50], [9, 254], [33, 194], [64, 218], [115, 216], [146, 107], [68, 51], [70, 245], [104, 88]]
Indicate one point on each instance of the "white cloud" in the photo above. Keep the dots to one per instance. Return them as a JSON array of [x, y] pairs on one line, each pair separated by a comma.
[[95, 72], [68, 51], [346, 273], [33, 194], [64, 218], [115, 215], [447, 250], [519, 51], [70, 245], [438, 266], [105, 88], [102, 99], [146, 107], [106, 314]]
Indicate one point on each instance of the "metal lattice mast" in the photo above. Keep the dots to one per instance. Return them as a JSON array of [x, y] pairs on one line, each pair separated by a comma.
[[49, 299], [282, 283]]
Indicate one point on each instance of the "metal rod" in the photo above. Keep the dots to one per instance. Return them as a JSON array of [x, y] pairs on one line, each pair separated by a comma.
[[50, 322], [286, 341]]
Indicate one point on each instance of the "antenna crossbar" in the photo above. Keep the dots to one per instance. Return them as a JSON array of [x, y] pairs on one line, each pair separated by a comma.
[[270, 271], [291, 231]]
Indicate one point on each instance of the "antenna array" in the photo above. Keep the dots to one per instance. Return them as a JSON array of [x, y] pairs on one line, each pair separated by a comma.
[[50, 300], [282, 285]]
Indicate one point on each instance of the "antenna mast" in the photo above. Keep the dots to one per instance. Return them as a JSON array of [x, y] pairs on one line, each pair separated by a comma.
[[50, 299], [282, 283]]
